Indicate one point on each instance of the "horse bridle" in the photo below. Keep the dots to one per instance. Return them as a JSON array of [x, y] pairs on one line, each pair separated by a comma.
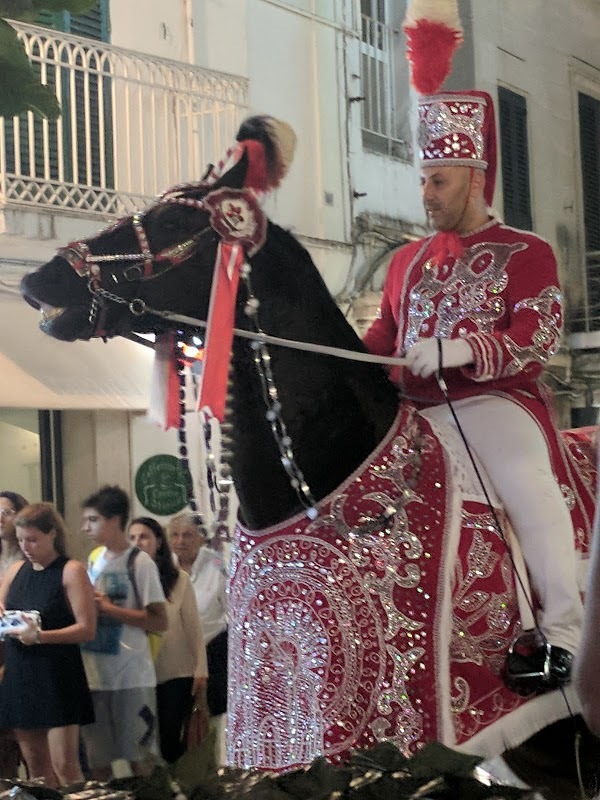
[[87, 265]]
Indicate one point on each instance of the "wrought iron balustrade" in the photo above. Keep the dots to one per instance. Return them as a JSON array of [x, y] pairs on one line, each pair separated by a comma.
[[131, 125]]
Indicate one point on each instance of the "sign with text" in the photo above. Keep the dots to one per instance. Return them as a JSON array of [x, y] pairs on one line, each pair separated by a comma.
[[161, 485]]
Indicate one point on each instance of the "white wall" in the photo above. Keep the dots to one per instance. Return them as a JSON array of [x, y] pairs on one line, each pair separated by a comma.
[[22, 473], [220, 34], [96, 452], [152, 26]]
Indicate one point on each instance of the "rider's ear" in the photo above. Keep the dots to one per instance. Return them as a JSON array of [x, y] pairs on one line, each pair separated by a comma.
[[477, 182]]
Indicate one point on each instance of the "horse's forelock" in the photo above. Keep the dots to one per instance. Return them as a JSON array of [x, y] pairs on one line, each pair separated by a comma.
[[257, 129]]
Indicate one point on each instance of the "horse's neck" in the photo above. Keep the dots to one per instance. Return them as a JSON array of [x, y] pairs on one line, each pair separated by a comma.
[[336, 412]]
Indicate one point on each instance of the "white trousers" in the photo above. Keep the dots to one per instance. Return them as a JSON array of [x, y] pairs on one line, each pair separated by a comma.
[[513, 451]]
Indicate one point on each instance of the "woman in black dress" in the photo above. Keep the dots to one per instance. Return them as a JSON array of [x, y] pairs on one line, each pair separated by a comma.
[[44, 696]]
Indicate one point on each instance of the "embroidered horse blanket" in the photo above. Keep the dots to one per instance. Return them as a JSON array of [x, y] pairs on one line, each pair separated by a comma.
[[387, 617]]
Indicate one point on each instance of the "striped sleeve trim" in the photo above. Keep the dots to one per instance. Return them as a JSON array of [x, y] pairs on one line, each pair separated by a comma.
[[487, 357]]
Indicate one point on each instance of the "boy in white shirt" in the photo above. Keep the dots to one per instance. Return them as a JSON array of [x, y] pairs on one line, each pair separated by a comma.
[[118, 662]]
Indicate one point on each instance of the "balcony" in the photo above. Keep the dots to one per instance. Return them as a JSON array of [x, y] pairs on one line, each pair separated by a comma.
[[131, 126]]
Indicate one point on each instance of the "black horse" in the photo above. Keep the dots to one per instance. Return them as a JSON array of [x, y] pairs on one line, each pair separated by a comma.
[[350, 627]]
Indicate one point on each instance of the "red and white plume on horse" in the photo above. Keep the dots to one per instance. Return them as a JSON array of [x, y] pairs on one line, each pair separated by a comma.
[[267, 145], [433, 33]]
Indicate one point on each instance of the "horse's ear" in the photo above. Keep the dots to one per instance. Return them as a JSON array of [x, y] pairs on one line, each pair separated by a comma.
[[265, 152], [234, 177]]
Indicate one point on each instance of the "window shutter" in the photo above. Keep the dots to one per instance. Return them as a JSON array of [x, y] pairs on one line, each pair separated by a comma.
[[589, 146], [92, 24], [515, 159], [51, 19], [589, 138]]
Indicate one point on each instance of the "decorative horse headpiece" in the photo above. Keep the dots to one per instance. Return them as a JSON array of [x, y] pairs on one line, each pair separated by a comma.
[[236, 215], [455, 128]]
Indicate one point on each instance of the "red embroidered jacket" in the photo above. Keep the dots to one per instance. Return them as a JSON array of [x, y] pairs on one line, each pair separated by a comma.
[[502, 295]]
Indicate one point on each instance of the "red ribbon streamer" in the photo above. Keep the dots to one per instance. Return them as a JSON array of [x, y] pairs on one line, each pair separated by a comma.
[[219, 330]]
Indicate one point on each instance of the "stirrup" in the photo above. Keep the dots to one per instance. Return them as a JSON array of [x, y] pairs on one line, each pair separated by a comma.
[[538, 667]]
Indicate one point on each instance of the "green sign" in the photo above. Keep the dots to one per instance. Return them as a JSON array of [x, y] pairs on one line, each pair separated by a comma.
[[161, 485]]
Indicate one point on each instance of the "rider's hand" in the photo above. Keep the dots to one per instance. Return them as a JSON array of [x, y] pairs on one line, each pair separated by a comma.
[[423, 357]]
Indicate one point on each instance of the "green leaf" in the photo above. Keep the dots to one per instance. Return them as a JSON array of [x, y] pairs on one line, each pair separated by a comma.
[[20, 87]]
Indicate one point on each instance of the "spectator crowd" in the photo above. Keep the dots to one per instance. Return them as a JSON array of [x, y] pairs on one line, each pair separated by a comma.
[[106, 662]]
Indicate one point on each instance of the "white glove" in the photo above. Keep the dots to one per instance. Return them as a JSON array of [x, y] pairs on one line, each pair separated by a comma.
[[423, 357]]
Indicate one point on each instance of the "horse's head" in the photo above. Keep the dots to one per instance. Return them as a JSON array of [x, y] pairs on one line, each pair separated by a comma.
[[122, 280]]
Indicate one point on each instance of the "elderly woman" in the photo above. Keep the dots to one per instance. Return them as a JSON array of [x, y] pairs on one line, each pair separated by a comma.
[[209, 579]]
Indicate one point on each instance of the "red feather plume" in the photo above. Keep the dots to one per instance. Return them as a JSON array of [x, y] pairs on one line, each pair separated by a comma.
[[430, 47], [257, 176]]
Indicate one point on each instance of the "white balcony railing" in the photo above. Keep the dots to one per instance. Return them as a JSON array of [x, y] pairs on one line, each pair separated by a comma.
[[131, 125]]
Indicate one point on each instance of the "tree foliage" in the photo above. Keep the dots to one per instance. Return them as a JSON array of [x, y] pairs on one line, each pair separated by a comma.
[[20, 87]]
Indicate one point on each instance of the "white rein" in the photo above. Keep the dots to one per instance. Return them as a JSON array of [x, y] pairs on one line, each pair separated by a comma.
[[265, 338]]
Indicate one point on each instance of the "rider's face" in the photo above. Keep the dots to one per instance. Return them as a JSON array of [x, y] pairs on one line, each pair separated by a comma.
[[445, 192]]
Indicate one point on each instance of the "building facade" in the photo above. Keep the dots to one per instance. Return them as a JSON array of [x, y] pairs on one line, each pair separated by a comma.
[[152, 92]]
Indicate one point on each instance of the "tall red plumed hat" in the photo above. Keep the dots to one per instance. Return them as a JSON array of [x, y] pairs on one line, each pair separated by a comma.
[[455, 128]]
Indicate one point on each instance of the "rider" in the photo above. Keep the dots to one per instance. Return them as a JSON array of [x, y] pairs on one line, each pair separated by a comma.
[[488, 295]]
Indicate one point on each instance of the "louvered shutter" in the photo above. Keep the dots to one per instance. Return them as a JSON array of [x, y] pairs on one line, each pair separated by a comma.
[[589, 145], [515, 159], [92, 24], [589, 138]]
